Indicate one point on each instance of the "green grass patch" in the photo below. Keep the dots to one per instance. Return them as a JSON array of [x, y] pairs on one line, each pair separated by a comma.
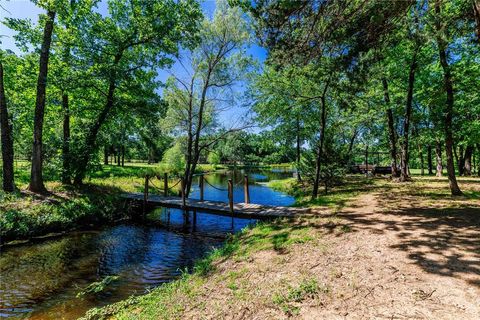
[[288, 300]]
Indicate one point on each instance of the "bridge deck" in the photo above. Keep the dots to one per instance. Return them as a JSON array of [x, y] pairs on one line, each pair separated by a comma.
[[244, 210]]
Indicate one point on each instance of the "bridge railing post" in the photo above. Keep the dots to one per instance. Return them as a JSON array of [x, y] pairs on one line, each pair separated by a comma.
[[165, 184], [201, 185], [230, 195], [145, 194], [246, 191], [182, 191]]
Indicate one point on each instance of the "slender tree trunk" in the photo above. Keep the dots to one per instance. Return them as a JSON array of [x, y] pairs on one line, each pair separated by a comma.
[[299, 177], [36, 177], [323, 124], [123, 156], [460, 161], [422, 163], [404, 176], [66, 173], [392, 135], [467, 163], [438, 153], [429, 160], [7, 139], [90, 140], [455, 190], [119, 153], [476, 13], [105, 155], [352, 142]]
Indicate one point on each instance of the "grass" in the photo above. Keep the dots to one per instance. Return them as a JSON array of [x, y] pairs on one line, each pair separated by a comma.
[[172, 300], [307, 289], [24, 215]]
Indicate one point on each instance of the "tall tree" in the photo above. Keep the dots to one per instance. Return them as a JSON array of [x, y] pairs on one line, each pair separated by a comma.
[[213, 67], [151, 32], [6, 135], [448, 85], [36, 175]]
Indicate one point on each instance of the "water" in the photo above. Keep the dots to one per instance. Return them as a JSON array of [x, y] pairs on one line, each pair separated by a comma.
[[41, 280]]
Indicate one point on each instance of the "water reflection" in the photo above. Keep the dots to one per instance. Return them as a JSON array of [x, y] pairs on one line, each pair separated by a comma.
[[41, 280]]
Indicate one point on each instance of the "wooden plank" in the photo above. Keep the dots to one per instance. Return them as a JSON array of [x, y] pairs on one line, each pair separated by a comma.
[[247, 210]]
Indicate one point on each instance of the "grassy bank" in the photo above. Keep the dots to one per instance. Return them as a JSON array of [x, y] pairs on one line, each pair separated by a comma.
[[170, 301], [284, 268], [24, 215]]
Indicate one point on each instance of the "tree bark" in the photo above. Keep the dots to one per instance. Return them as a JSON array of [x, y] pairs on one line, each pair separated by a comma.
[[105, 155], [467, 162], [7, 139], [299, 177], [404, 176], [454, 189], [422, 163], [93, 132], [438, 153], [476, 13], [460, 160], [66, 173], [123, 156], [392, 134], [36, 176], [323, 119], [429, 160]]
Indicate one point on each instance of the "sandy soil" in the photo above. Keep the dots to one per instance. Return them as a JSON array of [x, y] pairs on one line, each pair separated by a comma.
[[386, 255]]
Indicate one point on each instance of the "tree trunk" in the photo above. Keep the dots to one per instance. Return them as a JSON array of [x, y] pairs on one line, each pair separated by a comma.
[[392, 135], [36, 177], [105, 155], [323, 124], [7, 139], [429, 160], [123, 156], [438, 153], [461, 161], [422, 163], [467, 162], [404, 176], [66, 173], [299, 177], [455, 190], [476, 13], [92, 137], [92, 134]]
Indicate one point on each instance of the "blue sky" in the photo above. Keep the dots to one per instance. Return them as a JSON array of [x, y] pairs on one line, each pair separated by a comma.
[[26, 9]]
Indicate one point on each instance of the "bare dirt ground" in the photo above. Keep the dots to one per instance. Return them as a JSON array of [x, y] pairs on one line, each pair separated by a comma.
[[389, 254]]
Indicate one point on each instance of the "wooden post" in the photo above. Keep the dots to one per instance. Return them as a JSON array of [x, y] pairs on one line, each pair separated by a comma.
[[165, 184], [246, 191], [201, 185], [182, 191], [145, 194], [230, 195]]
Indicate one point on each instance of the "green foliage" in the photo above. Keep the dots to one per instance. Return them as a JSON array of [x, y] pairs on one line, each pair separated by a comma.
[[174, 159], [24, 217], [97, 287]]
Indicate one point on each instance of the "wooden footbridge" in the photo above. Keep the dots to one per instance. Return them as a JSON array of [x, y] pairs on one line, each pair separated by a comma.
[[240, 210]]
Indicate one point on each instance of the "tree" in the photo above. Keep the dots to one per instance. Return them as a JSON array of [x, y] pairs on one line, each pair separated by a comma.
[[36, 175], [212, 68], [6, 135], [441, 43], [150, 32]]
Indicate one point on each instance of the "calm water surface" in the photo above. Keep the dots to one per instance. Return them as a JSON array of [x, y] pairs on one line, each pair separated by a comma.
[[41, 280]]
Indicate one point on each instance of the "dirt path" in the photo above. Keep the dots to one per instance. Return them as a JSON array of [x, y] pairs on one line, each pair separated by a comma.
[[409, 262], [375, 259]]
